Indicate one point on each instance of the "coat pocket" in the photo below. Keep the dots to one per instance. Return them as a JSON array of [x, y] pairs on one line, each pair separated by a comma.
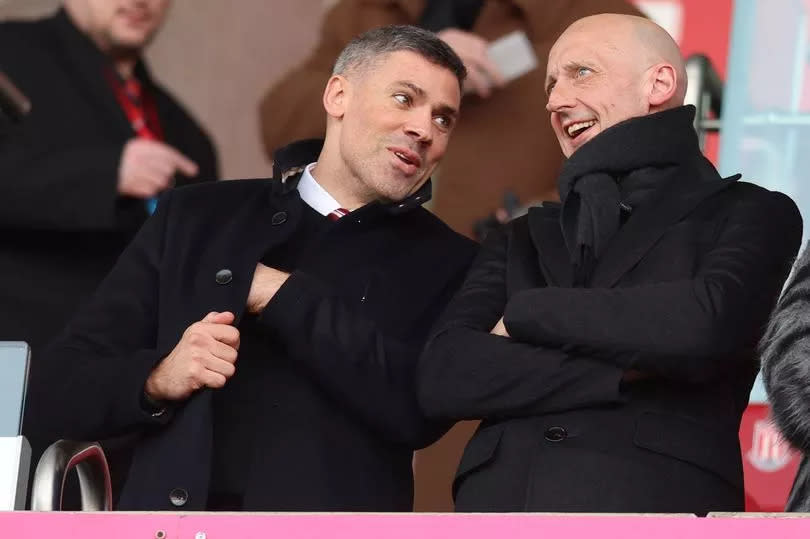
[[480, 451], [710, 448]]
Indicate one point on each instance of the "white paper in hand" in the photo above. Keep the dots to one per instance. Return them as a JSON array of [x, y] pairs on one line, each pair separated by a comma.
[[513, 54]]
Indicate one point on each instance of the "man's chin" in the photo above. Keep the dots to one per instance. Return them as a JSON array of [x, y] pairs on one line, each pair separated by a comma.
[[574, 145], [130, 43]]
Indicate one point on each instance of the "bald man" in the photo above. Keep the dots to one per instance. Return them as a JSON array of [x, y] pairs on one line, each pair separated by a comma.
[[607, 341]]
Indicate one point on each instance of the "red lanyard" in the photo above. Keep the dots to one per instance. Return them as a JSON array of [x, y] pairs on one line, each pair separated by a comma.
[[139, 107]]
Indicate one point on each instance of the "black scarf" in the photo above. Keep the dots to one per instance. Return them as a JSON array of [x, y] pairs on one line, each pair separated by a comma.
[[596, 181]]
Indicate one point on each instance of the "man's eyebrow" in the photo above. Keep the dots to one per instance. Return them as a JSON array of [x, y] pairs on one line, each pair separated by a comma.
[[441, 108], [447, 110], [413, 87]]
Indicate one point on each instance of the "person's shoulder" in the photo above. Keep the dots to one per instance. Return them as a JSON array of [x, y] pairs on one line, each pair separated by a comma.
[[756, 194], [774, 209], [22, 28], [19, 37]]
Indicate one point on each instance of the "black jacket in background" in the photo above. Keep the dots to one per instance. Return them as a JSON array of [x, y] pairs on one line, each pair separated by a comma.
[[62, 223], [681, 296], [338, 430]]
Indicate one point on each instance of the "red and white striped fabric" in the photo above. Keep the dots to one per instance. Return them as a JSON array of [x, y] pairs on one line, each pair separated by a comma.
[[337, 213]]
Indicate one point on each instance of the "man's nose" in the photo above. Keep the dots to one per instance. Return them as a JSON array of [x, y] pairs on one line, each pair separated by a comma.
[[560, 97], [419, 127]]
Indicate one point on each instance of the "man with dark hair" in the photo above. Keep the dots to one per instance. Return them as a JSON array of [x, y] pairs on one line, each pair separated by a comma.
[[608, 341], [322, 282]]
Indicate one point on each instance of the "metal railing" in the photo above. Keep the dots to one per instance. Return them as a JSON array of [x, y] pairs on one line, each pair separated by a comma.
[[705, 92], [91, 467]]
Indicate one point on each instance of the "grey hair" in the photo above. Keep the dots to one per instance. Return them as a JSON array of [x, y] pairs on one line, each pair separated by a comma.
[[369, 46]]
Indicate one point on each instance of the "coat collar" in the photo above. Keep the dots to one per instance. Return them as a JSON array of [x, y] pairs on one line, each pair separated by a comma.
[[289, 163]]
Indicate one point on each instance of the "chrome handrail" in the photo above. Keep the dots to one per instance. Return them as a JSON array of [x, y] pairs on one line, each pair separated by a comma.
[[705, 92], [52, 470]]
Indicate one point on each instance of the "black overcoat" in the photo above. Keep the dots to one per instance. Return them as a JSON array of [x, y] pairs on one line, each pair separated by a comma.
[[680, 298], [339, 419]]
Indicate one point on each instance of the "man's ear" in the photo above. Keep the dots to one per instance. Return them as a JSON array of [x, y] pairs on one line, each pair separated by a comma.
[[663, 84], [336, 96]]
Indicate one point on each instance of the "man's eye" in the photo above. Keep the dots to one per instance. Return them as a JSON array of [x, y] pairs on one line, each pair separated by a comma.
[[443, 121], [582, 71], [402, 99]]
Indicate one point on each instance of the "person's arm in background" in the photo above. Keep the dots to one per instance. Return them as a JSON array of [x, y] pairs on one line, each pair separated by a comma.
[[55, 174], [291, 110]]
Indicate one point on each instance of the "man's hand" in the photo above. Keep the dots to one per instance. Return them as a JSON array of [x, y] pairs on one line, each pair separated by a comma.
[[266, 282], [482, 73], [500, 329], [204, 357], [148, 167]]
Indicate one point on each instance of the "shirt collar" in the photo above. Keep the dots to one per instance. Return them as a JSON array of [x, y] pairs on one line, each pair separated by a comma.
[[315, 196]]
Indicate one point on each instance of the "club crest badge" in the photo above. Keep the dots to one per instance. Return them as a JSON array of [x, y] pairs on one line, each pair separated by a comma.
[[769, 451]]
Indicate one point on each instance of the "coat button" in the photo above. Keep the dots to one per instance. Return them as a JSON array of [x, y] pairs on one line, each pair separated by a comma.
[[224, 276], [178, 497], [279, 218], [555, 434]]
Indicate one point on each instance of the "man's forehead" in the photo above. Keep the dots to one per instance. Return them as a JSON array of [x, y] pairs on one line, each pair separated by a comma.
[[401, 67]]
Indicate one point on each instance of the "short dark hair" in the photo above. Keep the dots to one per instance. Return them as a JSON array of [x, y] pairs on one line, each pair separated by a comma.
[[368, 46]]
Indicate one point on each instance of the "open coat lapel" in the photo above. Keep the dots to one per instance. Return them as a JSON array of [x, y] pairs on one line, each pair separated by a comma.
[[552, 255], [651, 221]]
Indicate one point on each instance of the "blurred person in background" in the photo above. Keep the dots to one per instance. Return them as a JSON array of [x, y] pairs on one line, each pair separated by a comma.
[[505, 142], [79, 174]]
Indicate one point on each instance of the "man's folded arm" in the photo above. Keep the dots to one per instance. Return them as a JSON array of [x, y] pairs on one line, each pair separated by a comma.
[[467, 373], [363, 367], [89, 383], [708, 319]]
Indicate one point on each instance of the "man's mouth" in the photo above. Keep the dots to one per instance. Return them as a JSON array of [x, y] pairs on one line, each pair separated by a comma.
[[135, 17], [408, 157], [574, 130]]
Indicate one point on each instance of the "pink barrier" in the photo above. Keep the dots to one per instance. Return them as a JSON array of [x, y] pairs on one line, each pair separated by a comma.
[[390, 526]]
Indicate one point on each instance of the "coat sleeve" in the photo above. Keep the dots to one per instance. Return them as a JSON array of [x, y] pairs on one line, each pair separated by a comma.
[[363, 367], [292, 109], [686, 329], [785, 356], [467, 373], [88, 384]]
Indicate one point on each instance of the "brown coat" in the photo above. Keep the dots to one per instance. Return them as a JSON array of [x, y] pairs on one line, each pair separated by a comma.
[[503, 142]]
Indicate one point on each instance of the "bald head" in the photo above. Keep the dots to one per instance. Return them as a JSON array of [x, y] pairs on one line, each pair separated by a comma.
[[639, 38], [608, 68]]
